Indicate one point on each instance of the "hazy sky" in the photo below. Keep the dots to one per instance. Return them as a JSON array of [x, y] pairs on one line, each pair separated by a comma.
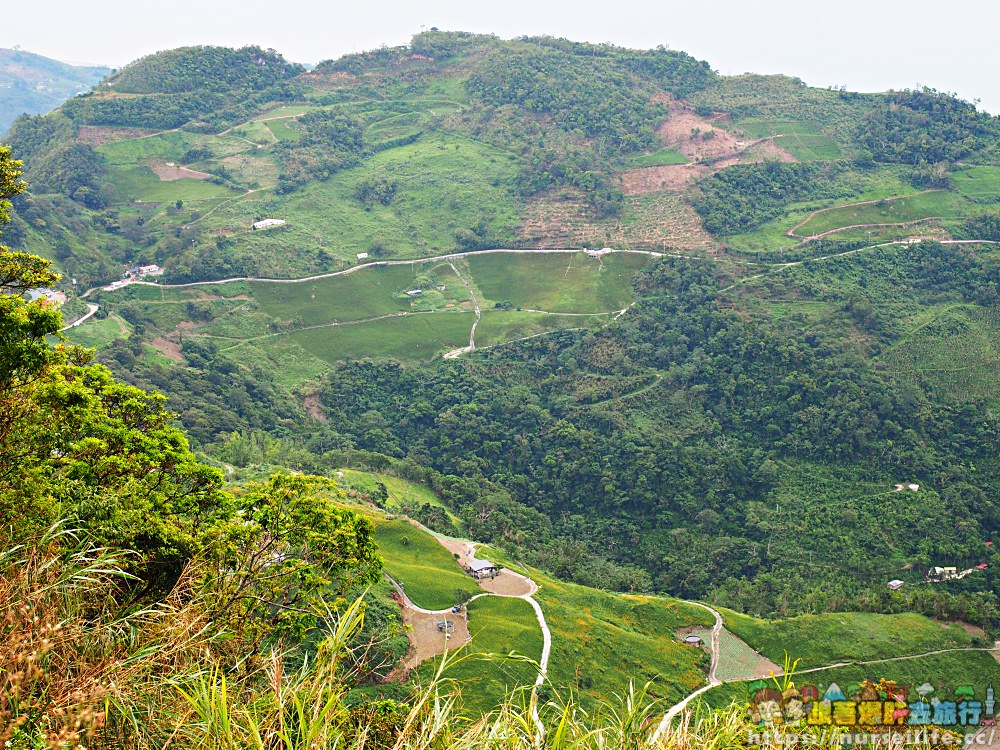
[[869, 45]]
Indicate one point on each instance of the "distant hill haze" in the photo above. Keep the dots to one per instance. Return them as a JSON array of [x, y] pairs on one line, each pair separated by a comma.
[[33, 84]]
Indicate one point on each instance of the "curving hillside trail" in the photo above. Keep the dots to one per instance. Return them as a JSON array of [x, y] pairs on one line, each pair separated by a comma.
[[91, 309], [712, 679], [508, 584]]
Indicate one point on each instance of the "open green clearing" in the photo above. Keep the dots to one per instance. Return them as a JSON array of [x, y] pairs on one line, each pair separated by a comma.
[[428, 573], [290, 364], [363, 294], [820, 640], [141, 184], [663, 158], [500, 326], [981, 184], [804, 140], [498, 626], [96, 333], [284, 130], [936, 203], [445, 186], [558, 282]]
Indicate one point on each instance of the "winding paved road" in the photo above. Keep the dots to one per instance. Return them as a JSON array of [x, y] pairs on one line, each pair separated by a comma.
[[91, 309]]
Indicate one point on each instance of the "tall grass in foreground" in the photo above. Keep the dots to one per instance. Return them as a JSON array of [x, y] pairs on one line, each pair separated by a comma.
[[80, 670]]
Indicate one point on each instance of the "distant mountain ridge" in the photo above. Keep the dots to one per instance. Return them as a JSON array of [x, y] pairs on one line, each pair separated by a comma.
[[34, 84]]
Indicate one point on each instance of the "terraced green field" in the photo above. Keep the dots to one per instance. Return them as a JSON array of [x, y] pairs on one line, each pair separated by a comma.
[[937, 203], [821, 640], [803, 140]]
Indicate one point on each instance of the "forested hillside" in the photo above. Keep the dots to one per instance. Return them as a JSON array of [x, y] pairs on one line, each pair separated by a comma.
[[34, 84], [729, 418]]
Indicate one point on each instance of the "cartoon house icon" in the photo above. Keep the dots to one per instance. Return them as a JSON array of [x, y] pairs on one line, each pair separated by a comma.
[[834, 693]]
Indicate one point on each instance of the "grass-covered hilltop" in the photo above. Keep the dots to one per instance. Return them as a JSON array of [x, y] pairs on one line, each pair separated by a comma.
[[697, 372]]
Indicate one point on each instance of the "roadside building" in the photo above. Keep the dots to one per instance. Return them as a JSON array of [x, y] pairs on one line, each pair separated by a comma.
[[268, 223], [482, 569]]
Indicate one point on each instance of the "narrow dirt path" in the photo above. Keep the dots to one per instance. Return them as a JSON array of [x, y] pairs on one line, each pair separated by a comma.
[[791, 232], [512, 586], [713, 681], [479, 314]]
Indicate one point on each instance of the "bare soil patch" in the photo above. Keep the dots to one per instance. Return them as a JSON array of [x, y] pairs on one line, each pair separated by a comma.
[[456, 547], [168, 172], [332, 80], [970, 629], [657, 179], [169, 349], [426, 641], [766, 151], [654, 221], [506, 584], [314, 408], [695, 136], [96, 135]]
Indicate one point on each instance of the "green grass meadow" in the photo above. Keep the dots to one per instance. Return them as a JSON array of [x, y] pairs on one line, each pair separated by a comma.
[[824, 639], [601, 641], [663, 158], [420, 336], [445, 185], [141, 184], [95, 333], [558, 282], [501, 326], [802, 139], [428, 573], [499, 626], [978, 183]]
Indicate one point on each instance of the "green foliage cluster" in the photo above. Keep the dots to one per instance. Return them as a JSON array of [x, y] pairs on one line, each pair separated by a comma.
[[57, 163], [743, 197], [206, 88], [187, 69], [330, 141], [580, 93], [925, 127]]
